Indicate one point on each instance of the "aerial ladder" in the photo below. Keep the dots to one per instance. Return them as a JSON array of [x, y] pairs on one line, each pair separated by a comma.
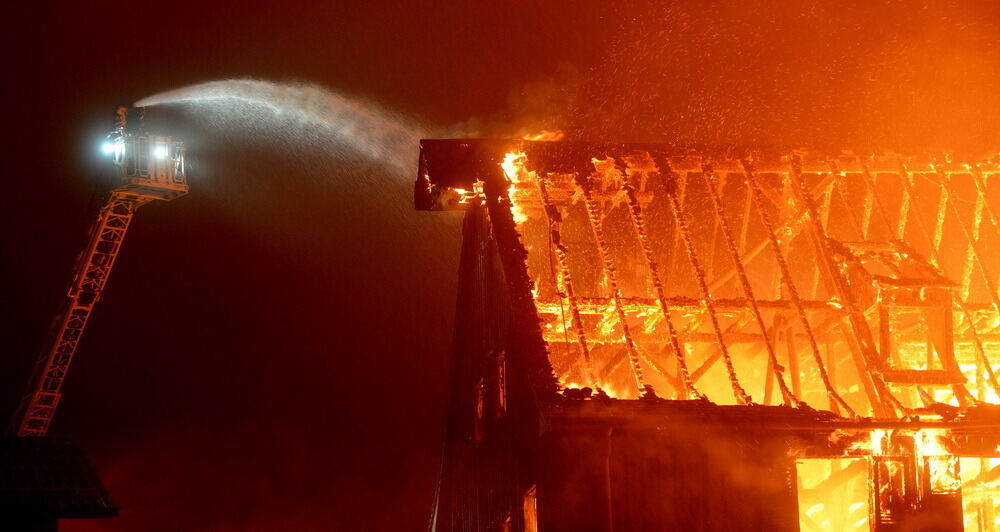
[[147, 168]]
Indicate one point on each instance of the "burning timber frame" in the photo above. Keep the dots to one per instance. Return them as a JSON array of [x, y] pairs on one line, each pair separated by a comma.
[[593, 281]]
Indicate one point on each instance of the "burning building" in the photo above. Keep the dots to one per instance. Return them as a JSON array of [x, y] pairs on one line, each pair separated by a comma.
[[656, 338]]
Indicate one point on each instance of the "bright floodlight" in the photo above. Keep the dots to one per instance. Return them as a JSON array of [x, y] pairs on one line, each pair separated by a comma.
[[108, 148], [160, 151]]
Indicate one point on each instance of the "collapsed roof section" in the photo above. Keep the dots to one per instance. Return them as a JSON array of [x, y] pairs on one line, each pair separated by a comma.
[[49, 478]]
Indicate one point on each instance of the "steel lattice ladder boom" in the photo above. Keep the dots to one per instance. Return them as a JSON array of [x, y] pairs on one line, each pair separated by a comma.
[[152, 168]]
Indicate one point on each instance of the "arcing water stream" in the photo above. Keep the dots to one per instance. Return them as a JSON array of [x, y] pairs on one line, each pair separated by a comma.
[[303, 113]]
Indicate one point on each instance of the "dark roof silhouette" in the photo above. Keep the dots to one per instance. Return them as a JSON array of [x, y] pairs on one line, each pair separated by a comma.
[[49, 478]]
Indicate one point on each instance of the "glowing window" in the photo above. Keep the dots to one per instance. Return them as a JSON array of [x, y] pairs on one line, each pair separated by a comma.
[[833, 494], [531, 510], [981, 493]]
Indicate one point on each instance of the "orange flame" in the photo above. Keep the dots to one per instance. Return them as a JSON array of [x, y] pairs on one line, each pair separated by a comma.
[[513, 168], [545, 135]]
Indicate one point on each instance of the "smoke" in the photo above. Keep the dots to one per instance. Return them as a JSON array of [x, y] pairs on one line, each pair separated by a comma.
[[821, 74], [539, 107], [304, 115]]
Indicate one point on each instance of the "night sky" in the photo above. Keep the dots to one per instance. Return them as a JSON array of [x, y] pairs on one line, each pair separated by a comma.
[[271, 353]]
